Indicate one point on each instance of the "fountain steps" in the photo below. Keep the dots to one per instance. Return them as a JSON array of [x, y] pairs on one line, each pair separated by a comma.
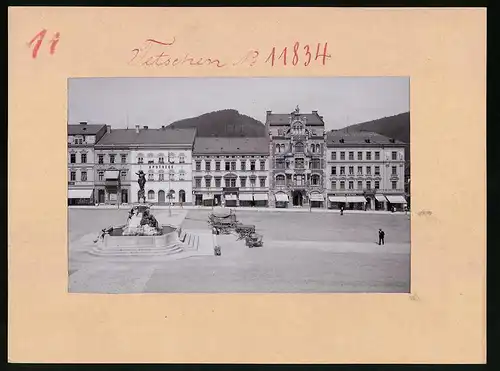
[[138, 251]]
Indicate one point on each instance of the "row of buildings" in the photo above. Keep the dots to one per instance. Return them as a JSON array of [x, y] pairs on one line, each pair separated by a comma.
[[299, 164]]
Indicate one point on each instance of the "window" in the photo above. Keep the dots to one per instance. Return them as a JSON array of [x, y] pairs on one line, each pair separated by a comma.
[[161, 177], [182, 174], [197, 182], [360, 184], [368, 170], [84, 158], [171, 157], [233, 182], [368, 184], [394, 185], [182, 159], [334, 156], [161, 160], [217, 182], [151, 176], [72, 158], [280, 180], [123, 174], [299, 147], [377, 170], [394, 155], [377, 155], [333, 184], [360, 170], [124, 159], [243, 182], [342, 184], [101, 175], [72, 176], [368, 156], [351, 184], [377, 184], [351, 170], [208, 181], [342, 155], [262, 182], [342, 170], [262, 165], [319, 148], [252, 182], [171, 175], [207, 165], [252, 165], [112, 159], [278, 148], [351, 156], [100, 159], [315, 179], [280, 164], [334, 170], [313, 148], [394, 170], [151, 195], [233, 165], [243, 165], [228, 166], [151, 162], [360, 156], [217, 165], [315, 164], [198, 165], [140, 160]]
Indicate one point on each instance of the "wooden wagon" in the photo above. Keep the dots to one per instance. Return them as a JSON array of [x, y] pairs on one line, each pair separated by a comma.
[[244, 230], [254, 240], [224, 220]]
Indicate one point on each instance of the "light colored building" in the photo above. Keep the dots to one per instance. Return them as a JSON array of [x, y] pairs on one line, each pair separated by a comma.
[[365, 171], [297, 150], [231, 171], [81, 141]]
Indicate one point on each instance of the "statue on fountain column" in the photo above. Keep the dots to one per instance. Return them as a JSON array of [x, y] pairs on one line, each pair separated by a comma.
[[142, 182]]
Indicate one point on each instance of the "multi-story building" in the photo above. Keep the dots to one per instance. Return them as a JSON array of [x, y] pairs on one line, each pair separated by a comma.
[[81, 140], [365, 171], [164, 155], [112, 169], [297, 148], [231, 171]]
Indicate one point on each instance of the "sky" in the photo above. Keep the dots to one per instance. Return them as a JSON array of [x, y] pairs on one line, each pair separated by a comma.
[[342, 101]]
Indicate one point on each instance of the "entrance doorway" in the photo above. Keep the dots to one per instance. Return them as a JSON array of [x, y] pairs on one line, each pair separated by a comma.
[[161, 197], [124, 196], [297, 198], [182, 196], [100, 196]]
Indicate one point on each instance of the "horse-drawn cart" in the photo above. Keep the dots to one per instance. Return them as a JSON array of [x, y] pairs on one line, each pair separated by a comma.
[[244, 230], [223, 220], [254, 240]]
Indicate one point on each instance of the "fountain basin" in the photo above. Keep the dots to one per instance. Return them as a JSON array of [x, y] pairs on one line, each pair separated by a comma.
[[115, 239]]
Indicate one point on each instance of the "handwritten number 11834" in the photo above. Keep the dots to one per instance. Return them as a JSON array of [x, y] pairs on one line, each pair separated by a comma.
[[298, 55]]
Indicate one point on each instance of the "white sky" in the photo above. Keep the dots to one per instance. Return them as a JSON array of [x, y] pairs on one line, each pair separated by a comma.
[[160, 101]]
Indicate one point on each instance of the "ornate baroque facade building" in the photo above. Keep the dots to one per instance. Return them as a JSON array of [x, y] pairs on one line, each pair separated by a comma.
[[297, 148]]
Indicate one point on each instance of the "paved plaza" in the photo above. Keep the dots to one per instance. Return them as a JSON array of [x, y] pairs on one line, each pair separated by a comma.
[[302, 253]]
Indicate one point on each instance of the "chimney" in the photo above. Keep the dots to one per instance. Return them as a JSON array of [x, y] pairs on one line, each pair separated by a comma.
[[145, 127], [137, 129], [108, 128], [83, 123]]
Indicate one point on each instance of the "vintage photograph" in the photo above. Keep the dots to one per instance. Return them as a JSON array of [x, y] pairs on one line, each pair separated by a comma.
[[239, 185]]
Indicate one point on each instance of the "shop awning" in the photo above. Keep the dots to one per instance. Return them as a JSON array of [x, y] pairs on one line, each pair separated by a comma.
[[245, 197], [80, 193], [207, 196], [336, 198], [380, 198], [316, 197], [260, 197], [281, 197], [230, 197], [396, 199], [112, 174], [356, 199]]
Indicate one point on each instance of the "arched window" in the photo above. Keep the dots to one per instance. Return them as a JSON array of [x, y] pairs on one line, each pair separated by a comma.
[[315, 179], [299, 147], [182, 196], [171, 174], [151, 195], [318, 148], [313, 148], [280, 180], [161, 175], [282, 148], [278, 148]]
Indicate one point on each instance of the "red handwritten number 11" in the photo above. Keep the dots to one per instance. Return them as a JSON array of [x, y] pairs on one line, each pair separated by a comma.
[[36, 42]]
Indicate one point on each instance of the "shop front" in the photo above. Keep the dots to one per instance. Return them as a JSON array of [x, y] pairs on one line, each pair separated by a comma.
[[260, 199], [246, 199], [356, 202], [80, 197], [208, 199], [380, 202], [282, 200], [230, 196], [316, 199], [336, 202], [112, 186], [395, 202]]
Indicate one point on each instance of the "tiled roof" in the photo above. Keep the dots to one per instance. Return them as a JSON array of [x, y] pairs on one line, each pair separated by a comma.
[[284, 118], [358, 137], [87, 129], [234, 145], [148, 137]]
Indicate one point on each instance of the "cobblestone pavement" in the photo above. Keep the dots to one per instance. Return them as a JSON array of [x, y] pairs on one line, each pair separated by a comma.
[[302, 253]]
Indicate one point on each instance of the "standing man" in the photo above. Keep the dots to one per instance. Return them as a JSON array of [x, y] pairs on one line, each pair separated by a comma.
[[341, 210], [381, 236]]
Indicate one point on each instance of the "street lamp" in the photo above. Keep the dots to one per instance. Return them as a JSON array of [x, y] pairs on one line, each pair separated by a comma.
[[169, 187]]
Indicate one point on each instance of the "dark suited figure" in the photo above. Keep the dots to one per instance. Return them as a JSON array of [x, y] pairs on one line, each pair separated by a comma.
[[381, 236]]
